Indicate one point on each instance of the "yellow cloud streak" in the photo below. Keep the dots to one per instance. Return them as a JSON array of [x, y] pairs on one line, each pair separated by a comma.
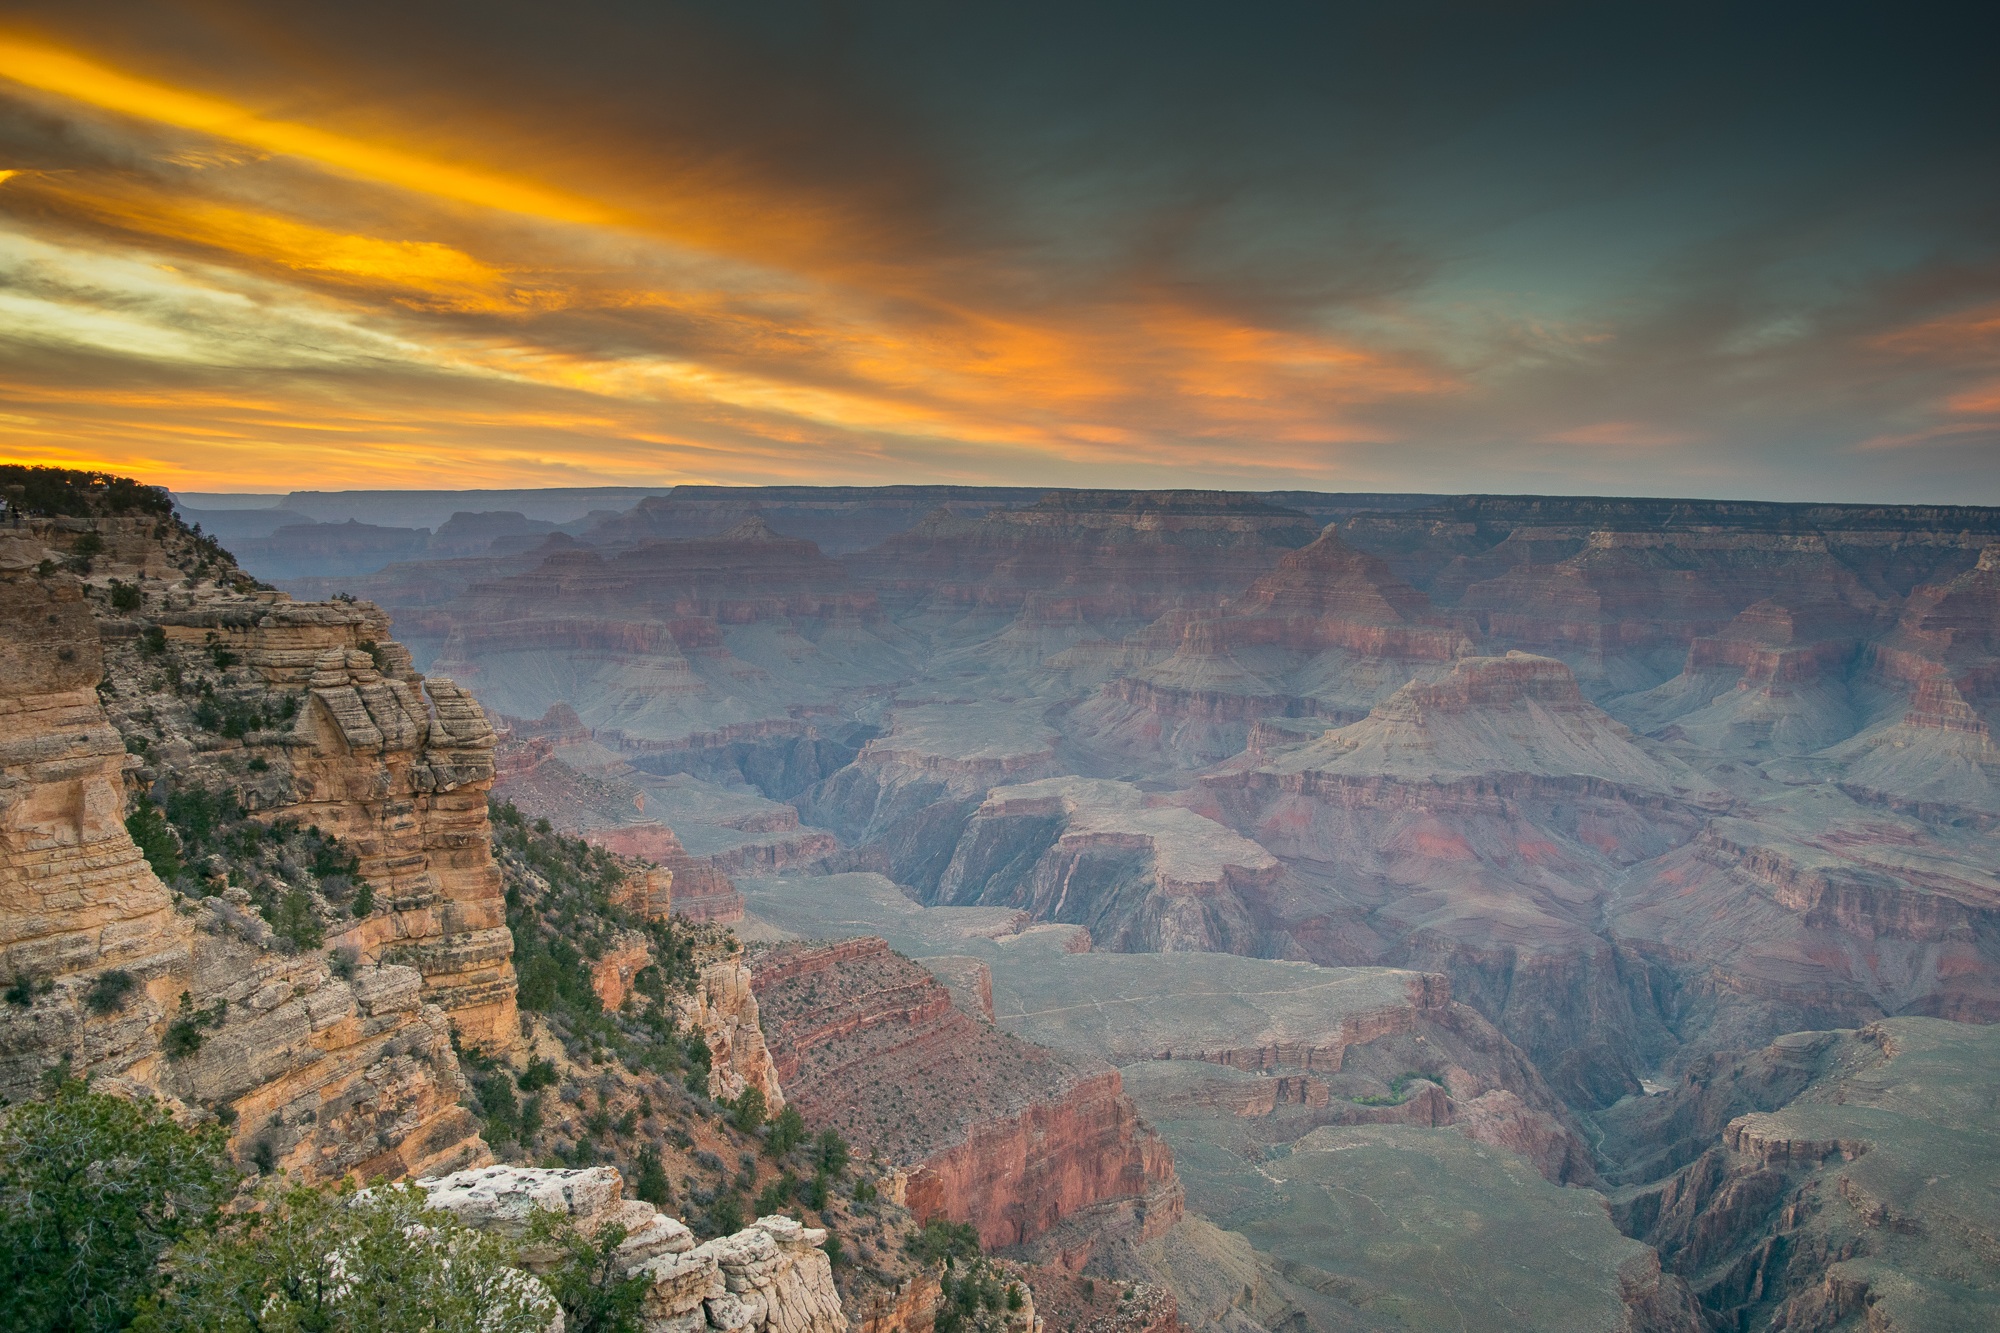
[[55, 71], [446, 276]]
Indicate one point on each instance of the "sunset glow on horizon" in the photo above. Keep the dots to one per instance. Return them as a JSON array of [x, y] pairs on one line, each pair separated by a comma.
[[241, 253]]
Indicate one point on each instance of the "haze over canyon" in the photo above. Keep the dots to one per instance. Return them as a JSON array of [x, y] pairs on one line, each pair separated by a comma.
[[1325, 911]]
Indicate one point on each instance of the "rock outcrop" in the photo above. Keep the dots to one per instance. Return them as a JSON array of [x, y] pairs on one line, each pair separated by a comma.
[[1141, 875], [722, 1006], [770, 1277], [983, 1128]]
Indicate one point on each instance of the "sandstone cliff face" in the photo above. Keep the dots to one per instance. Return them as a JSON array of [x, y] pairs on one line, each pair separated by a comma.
[[395, 766], [319, 1073], [986, 1129], [723, 1007], [76, 897]]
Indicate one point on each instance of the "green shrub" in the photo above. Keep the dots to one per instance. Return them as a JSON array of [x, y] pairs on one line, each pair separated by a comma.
[[315, 1259], [96, 1188], [587, 1277], [939, 1241], [652, 1186], [295, 923], [777, 1195], [788, 1129], [830, 1152], [747, 1112], [125, 596], [183, 1037], [107, 993], [725, 1214], [149, 829]]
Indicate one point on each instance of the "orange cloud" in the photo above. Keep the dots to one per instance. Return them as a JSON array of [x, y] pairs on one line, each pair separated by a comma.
[[452, 339], [71, 76]]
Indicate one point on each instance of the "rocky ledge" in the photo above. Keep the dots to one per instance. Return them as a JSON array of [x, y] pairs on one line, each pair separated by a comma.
[[772, 1275]]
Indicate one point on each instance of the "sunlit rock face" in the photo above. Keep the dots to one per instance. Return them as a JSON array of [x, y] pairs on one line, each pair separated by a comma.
[[320, 1072]]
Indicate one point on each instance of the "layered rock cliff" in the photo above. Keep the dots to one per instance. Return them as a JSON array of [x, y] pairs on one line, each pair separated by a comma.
[[984, 1128], [209, 988]]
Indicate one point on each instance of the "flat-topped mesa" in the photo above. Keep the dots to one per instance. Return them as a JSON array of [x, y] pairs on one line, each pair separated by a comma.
[[1492, 716], [1137, 874], [981, 1127], [770, 1277]]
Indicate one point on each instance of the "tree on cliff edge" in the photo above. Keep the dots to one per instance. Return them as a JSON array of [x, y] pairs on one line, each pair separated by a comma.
[[92, 1189]]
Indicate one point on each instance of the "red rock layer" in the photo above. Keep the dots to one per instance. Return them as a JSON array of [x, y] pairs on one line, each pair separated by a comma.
[[989, 1129]]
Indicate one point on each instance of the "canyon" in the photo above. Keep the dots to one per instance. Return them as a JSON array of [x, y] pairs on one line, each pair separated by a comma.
[[1324, 911], [1594, 792]]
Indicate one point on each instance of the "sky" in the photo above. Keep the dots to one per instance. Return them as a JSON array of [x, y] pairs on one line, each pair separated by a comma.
[[1696, 250]]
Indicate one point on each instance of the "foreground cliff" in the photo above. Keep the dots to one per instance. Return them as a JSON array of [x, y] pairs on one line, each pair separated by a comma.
[[303, 984]]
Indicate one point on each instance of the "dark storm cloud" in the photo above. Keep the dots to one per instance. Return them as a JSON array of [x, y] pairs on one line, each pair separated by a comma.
[[1708, 249]]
